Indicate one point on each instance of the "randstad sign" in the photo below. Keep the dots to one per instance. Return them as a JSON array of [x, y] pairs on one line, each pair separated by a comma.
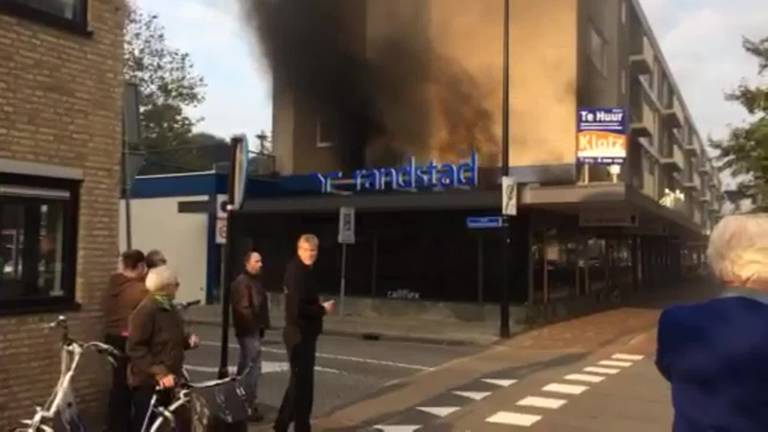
[[409, 177], [602, 136]]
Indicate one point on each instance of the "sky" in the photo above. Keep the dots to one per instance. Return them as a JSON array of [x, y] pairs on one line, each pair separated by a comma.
[[701, 40]]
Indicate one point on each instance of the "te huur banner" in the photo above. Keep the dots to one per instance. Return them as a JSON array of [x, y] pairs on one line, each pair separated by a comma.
[[602, 136]]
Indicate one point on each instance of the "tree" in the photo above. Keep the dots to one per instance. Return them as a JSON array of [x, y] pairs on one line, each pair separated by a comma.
[[200, 152], [167, 82], [744, 152]]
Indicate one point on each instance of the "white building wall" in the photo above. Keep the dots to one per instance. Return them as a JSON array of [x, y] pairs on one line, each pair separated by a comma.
[[183, 237]]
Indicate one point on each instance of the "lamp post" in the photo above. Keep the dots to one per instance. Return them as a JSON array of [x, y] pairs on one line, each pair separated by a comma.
[[504, 303]]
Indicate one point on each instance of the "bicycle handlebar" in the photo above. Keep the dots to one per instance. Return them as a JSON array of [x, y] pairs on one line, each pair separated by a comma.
[[187, 305]]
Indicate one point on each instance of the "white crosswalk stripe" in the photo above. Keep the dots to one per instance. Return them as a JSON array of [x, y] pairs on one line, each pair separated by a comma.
[[397, 428], [615, 363], [601, 370], [566, 388], [513, 419], [631, 357], [541, 402], [585, 378]]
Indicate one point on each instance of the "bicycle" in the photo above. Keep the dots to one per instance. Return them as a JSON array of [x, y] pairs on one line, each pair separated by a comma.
[[60, 411], [184, 397]]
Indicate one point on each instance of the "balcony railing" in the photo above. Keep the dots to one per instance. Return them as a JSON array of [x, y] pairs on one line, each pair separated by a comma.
[[642, 119], [642, 62], [673, 114], [673, 158]]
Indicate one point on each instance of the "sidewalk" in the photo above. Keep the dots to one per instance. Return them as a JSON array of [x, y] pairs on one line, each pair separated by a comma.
[[413, 329], [458, 332]]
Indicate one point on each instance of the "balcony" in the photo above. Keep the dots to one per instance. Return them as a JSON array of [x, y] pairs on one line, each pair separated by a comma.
[[642, 119], [673, 114], [673, 158], [692, 180], [705, 195], [642, 63]]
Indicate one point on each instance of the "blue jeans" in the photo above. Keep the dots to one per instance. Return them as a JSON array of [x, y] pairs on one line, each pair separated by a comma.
[[250, 355]]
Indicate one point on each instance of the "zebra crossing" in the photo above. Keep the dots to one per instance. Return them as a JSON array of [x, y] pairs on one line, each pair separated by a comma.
[[527, 411]]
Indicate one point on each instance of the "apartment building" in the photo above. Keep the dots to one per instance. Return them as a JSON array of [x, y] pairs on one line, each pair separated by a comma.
[[60, 136], [634, 220]]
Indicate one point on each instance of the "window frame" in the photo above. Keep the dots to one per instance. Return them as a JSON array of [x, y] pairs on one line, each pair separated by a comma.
[[79, 25], [603, 67], [319, 142], [70, 234]]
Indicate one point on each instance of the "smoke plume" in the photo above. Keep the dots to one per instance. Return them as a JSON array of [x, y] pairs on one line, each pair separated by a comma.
[[388, 99]]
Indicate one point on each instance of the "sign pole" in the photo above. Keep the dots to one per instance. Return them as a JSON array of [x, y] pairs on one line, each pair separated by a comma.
[[343, 278], [346, 236], [504, 332], [237, 176]]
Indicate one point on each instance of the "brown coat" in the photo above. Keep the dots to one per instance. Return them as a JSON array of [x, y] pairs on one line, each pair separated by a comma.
[[156, 343], [250, 305], [124, 296]]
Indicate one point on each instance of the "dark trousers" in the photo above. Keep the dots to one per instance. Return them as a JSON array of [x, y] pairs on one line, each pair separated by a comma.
[[297, 402], [119, 414], [142, 399]]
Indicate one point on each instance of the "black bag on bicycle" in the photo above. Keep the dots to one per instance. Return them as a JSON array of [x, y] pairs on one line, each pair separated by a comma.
[[227, 403]]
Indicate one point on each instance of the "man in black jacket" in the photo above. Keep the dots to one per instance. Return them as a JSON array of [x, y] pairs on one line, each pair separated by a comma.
[[250, 310], [303, 324]]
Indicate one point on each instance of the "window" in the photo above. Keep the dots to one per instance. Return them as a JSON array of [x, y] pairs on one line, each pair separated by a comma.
[[623, 12], [623, 81], [650, 164], [37, 241], [597, 50], [326, 133], [69, 14]]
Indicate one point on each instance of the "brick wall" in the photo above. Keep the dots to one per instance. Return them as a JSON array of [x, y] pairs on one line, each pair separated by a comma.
[[60, 97]]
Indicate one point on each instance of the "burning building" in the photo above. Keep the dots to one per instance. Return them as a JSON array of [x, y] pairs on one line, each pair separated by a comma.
[[365, 84]]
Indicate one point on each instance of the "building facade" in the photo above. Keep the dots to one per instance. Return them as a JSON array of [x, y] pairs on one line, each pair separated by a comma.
[[60, 139], [582, 227]]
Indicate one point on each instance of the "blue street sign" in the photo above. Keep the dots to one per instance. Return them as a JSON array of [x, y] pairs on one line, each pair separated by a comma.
[[485, 222]]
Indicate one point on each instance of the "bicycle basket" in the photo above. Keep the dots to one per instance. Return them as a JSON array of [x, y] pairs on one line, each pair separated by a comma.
[[229, 402]]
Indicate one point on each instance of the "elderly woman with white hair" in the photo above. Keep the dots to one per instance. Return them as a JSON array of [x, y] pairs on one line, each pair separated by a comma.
[[715, 353], [156, 345]]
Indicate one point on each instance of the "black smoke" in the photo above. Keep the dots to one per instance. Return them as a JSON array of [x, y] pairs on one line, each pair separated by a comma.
[[385, 101]]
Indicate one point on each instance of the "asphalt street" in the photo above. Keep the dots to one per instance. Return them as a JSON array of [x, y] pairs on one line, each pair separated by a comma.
[[348, 369]]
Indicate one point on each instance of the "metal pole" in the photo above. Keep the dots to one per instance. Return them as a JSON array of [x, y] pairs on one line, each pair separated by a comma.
[[374, 264], [227, 269], [480, 269], [343, 278], [127, 186], [504, 303]]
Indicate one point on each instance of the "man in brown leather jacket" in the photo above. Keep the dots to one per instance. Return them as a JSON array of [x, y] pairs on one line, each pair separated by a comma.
[[250, 312], [126, 291]]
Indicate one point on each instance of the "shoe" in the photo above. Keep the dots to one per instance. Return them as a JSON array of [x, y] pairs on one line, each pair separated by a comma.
[[255, 416]]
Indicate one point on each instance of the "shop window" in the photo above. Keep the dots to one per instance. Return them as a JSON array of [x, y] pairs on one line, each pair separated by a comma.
[[69, 14], [37, 243]]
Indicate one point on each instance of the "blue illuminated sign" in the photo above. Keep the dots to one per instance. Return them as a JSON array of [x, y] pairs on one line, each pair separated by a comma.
[[408, 177], [484, 222]]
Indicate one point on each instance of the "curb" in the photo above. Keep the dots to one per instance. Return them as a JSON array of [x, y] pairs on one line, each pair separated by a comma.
[[377, 336]]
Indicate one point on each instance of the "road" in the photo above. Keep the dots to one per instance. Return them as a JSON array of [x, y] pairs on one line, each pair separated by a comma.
[[348, 369], [593, 374]]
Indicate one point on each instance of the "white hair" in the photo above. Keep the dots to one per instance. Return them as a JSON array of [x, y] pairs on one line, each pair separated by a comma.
[[738, 249], [161, 279]]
